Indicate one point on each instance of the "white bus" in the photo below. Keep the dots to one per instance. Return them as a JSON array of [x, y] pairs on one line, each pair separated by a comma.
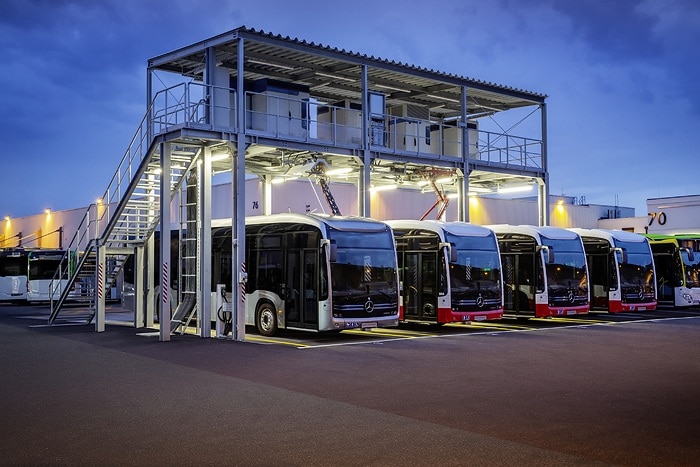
[[449, 271], [544, 271], [43, 265], [677, 263], [13, 275], [621, 268], [312, 272]]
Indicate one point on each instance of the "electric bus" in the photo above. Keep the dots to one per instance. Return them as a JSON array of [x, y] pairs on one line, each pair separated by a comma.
[[13, 275], [312, 272], [544, 271], [621, 268], [449, 272], [677, 260], [43, 265]]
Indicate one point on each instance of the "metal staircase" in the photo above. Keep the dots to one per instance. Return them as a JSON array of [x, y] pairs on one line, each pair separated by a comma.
[[129, 212], [186, 310]]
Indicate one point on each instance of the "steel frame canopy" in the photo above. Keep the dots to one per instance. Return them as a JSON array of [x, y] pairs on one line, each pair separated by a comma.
[[333, 75]]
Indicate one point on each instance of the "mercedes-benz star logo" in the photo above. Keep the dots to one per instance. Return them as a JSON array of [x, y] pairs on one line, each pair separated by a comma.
[[480, 301], [571, 296], [369, 306]]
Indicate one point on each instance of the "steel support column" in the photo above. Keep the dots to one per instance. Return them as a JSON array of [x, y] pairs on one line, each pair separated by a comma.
[[238, 277], [463, 198], [463, 184], [204, 304], [100, 272], [165, 266], [363, 199], [543, 193], [139, 266], [150, 281], [267, 195]]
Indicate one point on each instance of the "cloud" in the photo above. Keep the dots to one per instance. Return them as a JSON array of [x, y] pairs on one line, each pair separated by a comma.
[[621, 76]]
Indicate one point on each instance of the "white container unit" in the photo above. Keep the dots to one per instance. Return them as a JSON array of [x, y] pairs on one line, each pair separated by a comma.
[[279, 108]]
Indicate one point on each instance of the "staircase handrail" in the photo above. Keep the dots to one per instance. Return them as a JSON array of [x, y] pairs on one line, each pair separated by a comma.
[[87, 224], [174, 111]]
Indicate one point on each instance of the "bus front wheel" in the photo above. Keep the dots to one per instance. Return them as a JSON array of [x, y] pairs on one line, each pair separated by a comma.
[[266, 320]]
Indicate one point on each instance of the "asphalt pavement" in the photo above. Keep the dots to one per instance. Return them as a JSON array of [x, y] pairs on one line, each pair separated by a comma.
[[617, 394]]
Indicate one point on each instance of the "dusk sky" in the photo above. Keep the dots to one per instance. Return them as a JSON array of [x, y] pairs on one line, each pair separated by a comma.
[[622, 78]]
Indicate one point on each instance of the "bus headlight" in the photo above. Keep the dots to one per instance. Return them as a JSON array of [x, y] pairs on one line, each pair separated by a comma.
[[688, 298]]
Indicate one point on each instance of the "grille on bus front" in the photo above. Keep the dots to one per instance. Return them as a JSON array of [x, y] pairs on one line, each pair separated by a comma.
[[366, 309], [473, 305], [637, 294], [572, 297]]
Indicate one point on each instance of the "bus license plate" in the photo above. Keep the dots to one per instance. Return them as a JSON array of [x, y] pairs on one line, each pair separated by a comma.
[[571, 312], [369, 325], [480, 318]]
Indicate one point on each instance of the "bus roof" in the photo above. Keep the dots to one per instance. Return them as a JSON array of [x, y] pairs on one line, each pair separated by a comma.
[[13, 252], [534, 231], [461, 229], [683, 236], [611, 235], [46, 254], [348, 223]]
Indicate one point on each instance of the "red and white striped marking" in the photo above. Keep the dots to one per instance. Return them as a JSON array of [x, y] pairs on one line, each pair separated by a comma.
[[243, 283], [100, 280], [165, 283]]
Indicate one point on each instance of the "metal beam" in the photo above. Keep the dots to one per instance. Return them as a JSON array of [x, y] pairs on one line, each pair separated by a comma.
[[204, 304], [238, 205], [165, 266]]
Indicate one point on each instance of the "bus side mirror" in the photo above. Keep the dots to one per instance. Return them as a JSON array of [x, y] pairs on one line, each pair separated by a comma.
[[549, 254], [621, 255], [451, 251], [332, 250]]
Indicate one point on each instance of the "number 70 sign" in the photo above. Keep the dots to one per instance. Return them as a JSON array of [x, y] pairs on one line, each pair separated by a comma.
[[658, 217]]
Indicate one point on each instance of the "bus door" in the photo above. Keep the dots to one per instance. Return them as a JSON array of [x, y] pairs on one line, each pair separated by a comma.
[[301, 292], [420, 285], [603, 279], [518, 281], [667, 265]]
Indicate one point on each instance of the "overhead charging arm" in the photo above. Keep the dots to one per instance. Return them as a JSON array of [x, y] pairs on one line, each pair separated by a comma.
[[442, 201], [319, 170]]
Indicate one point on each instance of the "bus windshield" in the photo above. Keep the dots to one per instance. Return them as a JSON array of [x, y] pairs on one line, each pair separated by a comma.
[[639, 268], [13, 265], [476, 269], [692, 269], [566, 276], [43, 267], [364, 272]]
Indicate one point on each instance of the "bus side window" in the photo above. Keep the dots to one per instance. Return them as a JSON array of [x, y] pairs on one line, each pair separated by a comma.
[[539, 282], [323, 277]]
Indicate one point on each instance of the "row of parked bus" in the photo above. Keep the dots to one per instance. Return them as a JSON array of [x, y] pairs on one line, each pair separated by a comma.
[[323, 273], [27, 275], [331, 273]]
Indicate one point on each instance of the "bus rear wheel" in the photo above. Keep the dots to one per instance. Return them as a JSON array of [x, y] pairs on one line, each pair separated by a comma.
[[266, 320]]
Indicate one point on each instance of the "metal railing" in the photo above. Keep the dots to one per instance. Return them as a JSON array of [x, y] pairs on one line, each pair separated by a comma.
[[305, 120], [179, 105], [508, 150]]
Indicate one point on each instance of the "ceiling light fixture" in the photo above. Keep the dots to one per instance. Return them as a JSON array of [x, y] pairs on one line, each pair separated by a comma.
[[339, 171], [374, 189], [277, 65], [515, 189], [448, 99], [341, 78]]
